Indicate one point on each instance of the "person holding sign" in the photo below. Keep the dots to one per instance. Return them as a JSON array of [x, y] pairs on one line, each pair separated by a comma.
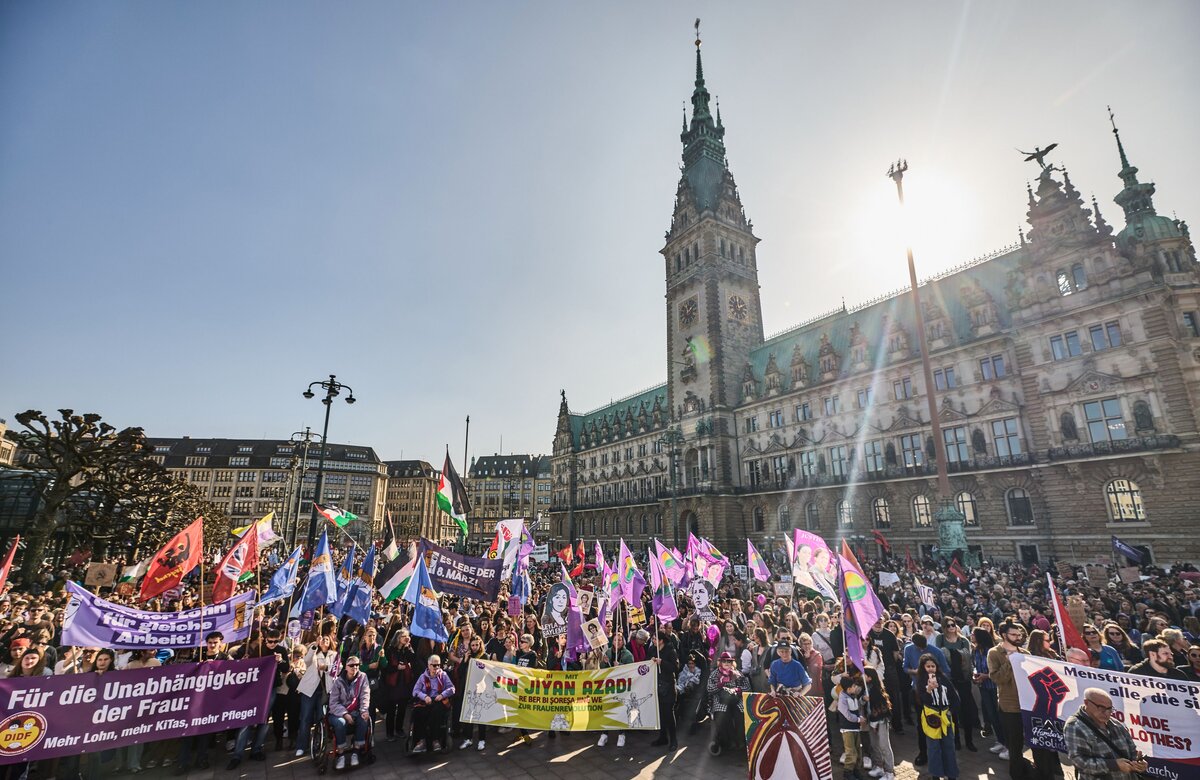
[[1099, 746]]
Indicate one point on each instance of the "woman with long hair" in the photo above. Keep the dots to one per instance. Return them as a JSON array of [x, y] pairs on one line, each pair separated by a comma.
[[938, 702], [1116, 638], [400, 669], [879, 713], [1046, 762], [1039, 644], [1109, 657], [988, 698]]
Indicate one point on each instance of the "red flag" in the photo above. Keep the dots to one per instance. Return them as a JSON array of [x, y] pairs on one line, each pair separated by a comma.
[[909, 563], [177, 557], [578, 570], [957, 570], [579, 553], [241, 558], [6, 567], [1068, 635], [882, 542], [566, 555]]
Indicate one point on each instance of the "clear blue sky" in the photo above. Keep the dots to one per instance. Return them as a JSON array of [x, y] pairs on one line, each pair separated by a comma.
[[457, 207]]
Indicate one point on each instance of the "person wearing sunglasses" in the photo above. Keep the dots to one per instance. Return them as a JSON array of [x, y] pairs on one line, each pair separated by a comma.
[[1192, 669], [1098, 744], [432, 695], [350, 708]]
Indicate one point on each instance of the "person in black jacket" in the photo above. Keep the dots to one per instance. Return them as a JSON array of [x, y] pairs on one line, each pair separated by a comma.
[[667, 660]]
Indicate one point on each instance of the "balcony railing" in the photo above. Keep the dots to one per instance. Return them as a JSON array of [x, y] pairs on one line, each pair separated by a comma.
[[1118, 447]]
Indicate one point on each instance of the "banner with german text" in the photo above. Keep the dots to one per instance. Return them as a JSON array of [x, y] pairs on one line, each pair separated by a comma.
[[620, 698], [1162, 715], [70, 714]]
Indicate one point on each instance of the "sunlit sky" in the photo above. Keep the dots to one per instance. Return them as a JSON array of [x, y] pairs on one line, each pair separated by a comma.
[[457, 207]]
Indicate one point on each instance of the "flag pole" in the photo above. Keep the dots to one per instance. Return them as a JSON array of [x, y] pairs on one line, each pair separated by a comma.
[[200, 630]]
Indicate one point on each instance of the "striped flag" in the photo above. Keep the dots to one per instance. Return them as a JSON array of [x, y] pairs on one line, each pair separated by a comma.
[[394, 576]]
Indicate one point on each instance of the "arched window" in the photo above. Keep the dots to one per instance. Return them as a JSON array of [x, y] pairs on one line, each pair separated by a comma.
[[1124, 501], [921, 516], [881, 514], [966, 504], [785, 517], [593, 526], [845, 514], [604, 526], [645, 525], [812, 516], [1020, 508], [759, 519]]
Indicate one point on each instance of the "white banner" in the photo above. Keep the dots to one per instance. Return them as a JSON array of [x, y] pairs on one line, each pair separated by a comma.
[[1162, 715], [540, 553], [620, 698]]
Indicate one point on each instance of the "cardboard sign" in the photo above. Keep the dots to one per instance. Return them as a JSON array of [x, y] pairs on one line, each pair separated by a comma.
[[1065, 570], [637, 616], [1129, 574], [100, 575], [1096, 574], [739, 570], [783, 589]]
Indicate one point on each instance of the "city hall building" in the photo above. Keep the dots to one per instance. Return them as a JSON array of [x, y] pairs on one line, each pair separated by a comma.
[[1066, 376]]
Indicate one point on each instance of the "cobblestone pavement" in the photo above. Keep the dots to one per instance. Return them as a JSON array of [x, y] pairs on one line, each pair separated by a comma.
[[570, 756]]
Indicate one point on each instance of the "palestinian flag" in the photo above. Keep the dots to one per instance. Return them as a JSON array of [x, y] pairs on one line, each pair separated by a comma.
[[394, 576], [338, 517], [135, 572], [452, 496]]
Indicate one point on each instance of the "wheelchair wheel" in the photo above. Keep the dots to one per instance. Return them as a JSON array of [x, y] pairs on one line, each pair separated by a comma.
[[320, 747]]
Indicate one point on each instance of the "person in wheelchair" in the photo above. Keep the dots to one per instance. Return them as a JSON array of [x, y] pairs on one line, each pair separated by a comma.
[[788, 677], [431, 705], [349, 708], [725, 687]]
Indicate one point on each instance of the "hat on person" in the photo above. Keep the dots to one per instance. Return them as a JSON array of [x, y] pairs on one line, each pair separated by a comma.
[[726, 656], [1041, 623], [21, 642]]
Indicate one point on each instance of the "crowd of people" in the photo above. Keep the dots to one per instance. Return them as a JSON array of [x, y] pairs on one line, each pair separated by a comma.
[[936, 665]]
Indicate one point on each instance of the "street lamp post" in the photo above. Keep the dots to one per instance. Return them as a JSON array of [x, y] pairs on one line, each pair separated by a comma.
[[673, 437], [299, 470], [949, 519], [333, 389]]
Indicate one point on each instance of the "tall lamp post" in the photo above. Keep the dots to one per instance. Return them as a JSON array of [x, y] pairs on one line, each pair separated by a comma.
[[673, 437], [951, 536], [299, 470], [333, 389]]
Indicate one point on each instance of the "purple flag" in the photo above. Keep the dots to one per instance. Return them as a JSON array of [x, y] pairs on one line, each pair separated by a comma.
[[576, 641], [601, 565], [670, 563], [756, 564], [631, 581], [662, 595]]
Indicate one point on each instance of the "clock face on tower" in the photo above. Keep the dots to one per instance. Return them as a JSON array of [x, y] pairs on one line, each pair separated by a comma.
[[737, 308], [688, 311]]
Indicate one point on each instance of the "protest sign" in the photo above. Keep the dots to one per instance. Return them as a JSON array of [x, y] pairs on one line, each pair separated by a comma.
[[783, 589], [786, 737], [594, 633], [740, 571], [540, 553], [70, 714], [1065, 570], [585, 599], [1161, 714], [100, 575], [1096, 574], [91, 621], [554, 615], [888, 578], [637, 615], [1129, 574], [620, 698], [461, 575], [813, 566]]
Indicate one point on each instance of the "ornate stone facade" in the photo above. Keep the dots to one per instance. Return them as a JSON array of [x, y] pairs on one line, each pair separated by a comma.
[[1067, 370]]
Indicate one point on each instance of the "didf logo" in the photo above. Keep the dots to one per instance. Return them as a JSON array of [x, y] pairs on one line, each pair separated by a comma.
[[20, 733]]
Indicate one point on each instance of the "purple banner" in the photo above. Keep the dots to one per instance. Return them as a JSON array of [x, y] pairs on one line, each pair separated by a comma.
[[93, 622], [69, 714], [461, 575]]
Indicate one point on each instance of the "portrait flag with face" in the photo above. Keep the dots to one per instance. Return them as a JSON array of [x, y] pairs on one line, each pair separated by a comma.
[[175, 560]]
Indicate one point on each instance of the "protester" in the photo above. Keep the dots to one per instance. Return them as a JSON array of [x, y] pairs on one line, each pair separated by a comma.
[[1099, 746], [433, 692], [938, 700], [350, 708]]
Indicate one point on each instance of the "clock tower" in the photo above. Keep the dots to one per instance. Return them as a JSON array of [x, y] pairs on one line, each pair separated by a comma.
[[714, 315]]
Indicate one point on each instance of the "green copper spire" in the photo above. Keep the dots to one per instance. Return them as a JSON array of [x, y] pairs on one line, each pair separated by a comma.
[[1136, 198], [703, 143]]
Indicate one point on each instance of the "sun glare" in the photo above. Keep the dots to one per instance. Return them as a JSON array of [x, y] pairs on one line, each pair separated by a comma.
[[940, 218]]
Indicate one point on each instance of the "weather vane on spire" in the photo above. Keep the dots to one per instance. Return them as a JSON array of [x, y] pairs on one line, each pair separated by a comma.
[[697, 32], [1112, 118]]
